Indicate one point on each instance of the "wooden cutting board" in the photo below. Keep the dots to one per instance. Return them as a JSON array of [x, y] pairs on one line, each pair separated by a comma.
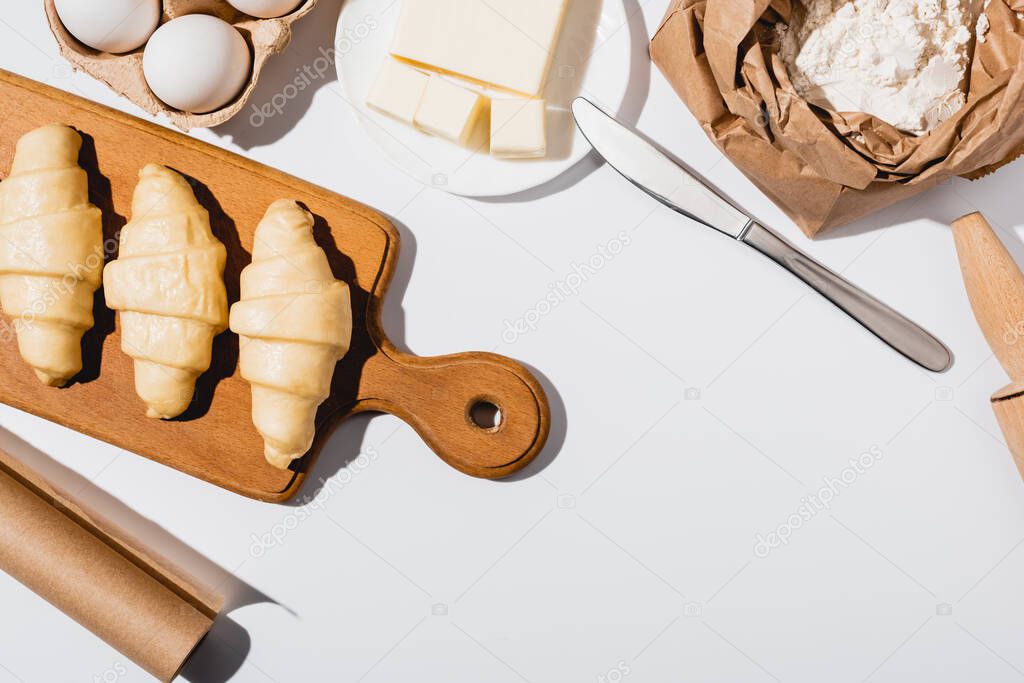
[[215, 439]]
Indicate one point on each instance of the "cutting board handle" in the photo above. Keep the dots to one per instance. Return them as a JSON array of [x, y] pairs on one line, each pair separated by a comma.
[[444, 397]]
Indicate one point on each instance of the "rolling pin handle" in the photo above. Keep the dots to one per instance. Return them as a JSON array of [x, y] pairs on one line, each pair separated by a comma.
[[995, 287]]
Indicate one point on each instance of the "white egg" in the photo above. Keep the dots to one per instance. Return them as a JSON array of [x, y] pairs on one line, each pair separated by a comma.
[[265, 9], [196, 63], [109, 25]]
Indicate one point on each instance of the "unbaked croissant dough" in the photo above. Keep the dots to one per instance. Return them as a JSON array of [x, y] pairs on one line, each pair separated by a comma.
[[168, 284], [295, 323], [51, 251]]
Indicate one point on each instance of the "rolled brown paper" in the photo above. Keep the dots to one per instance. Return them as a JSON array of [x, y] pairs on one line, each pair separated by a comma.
[[105, 583]]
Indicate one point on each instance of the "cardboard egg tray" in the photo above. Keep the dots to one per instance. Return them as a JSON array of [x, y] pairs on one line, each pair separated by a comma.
[[123, 72]]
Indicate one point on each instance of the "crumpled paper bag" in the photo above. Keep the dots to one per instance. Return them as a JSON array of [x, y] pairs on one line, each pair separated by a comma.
[[825, 168]]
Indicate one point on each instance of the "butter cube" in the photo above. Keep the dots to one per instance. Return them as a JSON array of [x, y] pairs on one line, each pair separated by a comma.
[[398, 90], [504, 43], [518, 129], [448, 110]]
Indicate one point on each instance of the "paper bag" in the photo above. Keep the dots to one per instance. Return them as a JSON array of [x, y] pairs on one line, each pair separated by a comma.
[[826, 168]]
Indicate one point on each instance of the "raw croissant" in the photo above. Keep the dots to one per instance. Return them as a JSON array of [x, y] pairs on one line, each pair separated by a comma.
[[51, 251], [295, 323], [168, 284]]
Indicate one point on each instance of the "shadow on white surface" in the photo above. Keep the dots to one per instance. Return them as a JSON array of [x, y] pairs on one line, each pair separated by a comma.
[[556, 438], [899, 212], [226, 647], [289, 81]]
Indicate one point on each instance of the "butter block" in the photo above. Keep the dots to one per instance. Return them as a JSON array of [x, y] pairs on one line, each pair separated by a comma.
[[504, 43], [398, 90], [448, 110], [518, 129]]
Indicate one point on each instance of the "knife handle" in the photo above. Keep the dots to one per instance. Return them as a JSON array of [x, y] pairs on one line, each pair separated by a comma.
[[885, 323]]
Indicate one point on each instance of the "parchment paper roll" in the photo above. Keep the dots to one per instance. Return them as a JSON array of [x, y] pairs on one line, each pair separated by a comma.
[[137, 605]]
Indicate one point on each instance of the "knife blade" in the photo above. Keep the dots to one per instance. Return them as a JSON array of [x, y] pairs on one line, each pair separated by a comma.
[[683, 191]]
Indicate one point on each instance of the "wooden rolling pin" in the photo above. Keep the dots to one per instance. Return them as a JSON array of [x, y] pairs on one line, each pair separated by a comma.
[[995, 287]]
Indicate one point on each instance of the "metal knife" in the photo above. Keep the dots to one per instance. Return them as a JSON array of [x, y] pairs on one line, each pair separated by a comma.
[[655, 173]]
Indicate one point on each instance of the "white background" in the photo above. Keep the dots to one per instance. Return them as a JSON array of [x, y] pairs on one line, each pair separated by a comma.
[[699, 394]]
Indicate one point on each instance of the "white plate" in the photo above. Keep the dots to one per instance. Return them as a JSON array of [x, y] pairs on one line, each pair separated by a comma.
[[592, 59]]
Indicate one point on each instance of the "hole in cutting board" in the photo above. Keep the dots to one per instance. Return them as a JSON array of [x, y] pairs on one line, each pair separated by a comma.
[[485, 415]]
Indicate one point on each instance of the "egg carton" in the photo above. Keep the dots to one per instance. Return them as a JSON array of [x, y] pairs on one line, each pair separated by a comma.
[[123, 72]]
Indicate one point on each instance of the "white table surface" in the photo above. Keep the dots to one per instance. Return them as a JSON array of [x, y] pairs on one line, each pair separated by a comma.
[[699, 396]]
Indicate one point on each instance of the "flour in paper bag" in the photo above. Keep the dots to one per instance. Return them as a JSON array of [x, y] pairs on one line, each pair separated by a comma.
[[903, 61]]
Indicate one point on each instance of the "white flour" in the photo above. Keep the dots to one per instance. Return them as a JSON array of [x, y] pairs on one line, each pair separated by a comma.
[[901, 60]]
